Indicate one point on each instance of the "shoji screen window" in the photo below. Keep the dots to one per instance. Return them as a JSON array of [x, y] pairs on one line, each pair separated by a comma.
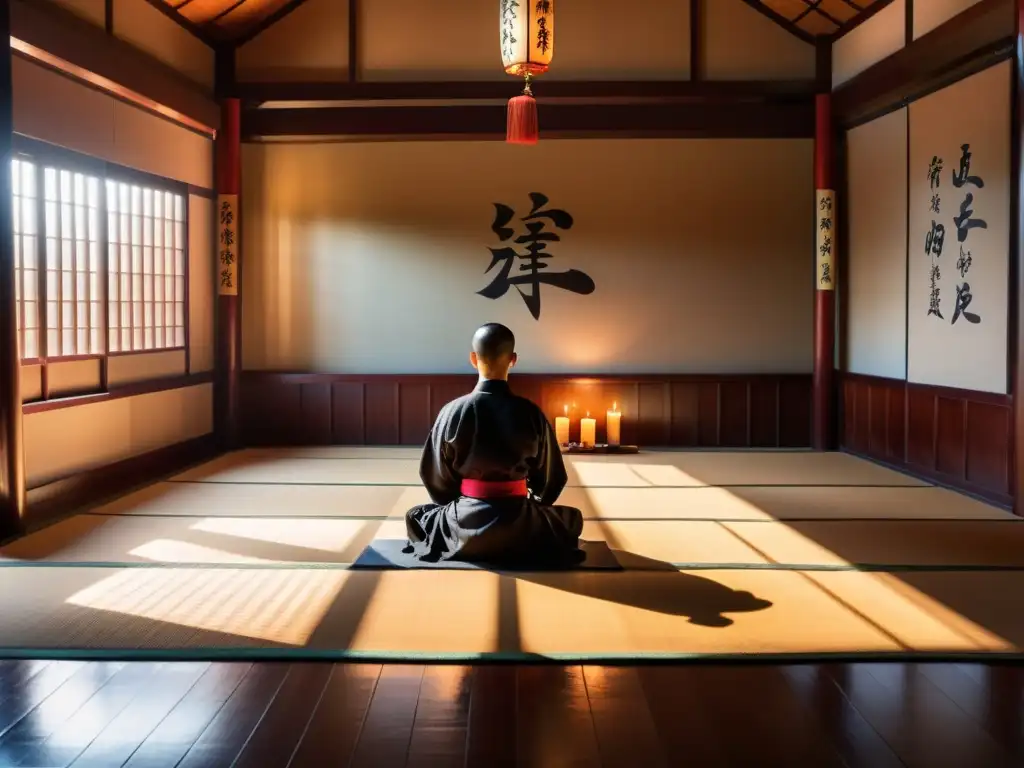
[[146, 263], [74, 292], [26, 255]]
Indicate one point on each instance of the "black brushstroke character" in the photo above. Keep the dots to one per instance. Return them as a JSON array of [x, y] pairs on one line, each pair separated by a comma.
[[963, 263], [934, 240], [825, 225], [934, 171], [963, 176], [826, 274], [543, 7], [963, 300], [227, 216], [532, 265], [964, 222], [826, 247], [543, 35], [508, 16], [935, 204], [934, 301]]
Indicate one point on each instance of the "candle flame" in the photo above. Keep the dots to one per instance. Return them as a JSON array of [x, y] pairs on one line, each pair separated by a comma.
[[566, 408], [615, 405], [588, 414]]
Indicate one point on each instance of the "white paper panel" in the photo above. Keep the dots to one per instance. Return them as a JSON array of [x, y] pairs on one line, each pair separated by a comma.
[[876, 265]]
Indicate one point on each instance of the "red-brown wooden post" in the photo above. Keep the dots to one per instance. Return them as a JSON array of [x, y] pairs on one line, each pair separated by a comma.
[[12, 463], [229, 357], [823, 418], [1016, 266]]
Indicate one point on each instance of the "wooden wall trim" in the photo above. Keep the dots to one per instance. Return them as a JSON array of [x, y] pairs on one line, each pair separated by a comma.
[[126, 390], [460, 123], [56, 37], [732, 410], [988, 398], [957, 438], [973, 40], [48, 503], [307, 377]]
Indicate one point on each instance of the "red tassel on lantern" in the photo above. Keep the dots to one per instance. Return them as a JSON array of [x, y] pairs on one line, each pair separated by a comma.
[[521, 123]]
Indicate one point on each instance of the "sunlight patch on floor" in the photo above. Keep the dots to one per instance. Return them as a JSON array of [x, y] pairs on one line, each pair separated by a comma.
[[665, 475], [279, 606], [171, 551], [324, 535], [913, 618]]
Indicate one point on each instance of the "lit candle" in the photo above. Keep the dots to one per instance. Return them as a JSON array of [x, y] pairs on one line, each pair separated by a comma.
[[588, 431], [614, 425], [562, 428]]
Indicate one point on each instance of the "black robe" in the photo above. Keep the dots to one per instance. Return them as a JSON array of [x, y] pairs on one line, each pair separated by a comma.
[[493, 435]]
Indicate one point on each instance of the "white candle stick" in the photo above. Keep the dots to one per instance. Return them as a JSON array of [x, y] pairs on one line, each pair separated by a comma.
[[614, 422], [588, 431], [562, 427]]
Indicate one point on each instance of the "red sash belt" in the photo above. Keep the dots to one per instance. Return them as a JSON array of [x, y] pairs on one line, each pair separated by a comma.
[[494, 489]]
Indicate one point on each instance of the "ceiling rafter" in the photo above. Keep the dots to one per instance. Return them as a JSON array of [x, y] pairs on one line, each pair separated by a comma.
[[236, 22]]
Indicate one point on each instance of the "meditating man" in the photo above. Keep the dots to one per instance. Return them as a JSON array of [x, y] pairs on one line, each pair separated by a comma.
[[493, 468]]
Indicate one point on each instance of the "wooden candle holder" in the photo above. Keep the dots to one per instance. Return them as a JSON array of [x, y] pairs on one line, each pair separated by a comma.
[[600, 448]]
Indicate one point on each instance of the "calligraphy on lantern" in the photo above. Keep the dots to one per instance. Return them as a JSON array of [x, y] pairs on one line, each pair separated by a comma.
[[227, 245], [949, 268], [825, 272]]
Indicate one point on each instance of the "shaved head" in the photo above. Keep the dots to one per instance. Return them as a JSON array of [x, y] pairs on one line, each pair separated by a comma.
[[494, 345]]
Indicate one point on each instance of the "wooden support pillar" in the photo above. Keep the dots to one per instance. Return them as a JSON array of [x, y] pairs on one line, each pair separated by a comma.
[[1016, 266], [823, 417], [12, 457], [229, 349]]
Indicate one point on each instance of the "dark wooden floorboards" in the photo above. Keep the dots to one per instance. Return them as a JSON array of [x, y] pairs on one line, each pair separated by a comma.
[[278, 715]]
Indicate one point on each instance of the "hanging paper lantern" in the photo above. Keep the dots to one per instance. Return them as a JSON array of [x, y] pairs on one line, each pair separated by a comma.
[[527, 46]]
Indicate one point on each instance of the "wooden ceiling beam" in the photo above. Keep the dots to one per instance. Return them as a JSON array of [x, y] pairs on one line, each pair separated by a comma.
[[206, 34], [860, 18], [62, 41], [779, 19], [971, 41], [699, 119], [269, 21], [704, 91]]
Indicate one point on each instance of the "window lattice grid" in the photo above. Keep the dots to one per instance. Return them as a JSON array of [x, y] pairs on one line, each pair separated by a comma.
[[146, 264], [74, 292], [25, 214]]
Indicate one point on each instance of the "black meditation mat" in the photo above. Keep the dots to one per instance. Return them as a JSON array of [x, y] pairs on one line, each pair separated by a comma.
[[388, 554]]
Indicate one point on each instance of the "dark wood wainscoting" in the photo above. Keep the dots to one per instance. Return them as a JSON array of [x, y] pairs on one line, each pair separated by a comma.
[[952, 436], [712, 411]]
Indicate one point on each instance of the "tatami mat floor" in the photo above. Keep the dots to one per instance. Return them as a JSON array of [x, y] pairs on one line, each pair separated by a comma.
[[724, 554]]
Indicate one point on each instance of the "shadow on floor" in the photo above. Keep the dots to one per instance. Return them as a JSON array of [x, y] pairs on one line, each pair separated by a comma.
[[653, 585]]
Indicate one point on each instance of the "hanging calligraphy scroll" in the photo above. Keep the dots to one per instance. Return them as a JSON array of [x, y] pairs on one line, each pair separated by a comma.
[[960, 186], [227, 245], [825, 226]]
